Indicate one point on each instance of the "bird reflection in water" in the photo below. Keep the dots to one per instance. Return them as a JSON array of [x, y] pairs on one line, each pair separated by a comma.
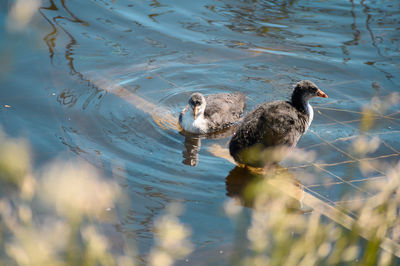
[[246, 184], [192, 148], [193, 143]]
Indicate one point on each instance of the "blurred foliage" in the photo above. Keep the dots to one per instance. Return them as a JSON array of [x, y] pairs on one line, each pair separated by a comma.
[[376, 109], [55, 216], [172, 239], [281, 233], [49, 218], [21, 13], [358, 232]]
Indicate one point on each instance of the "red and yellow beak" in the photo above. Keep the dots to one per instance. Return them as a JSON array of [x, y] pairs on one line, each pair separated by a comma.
[[321, 94]]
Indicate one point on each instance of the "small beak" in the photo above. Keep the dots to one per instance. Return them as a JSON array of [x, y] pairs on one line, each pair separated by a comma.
[[321, 94], [195, 112]]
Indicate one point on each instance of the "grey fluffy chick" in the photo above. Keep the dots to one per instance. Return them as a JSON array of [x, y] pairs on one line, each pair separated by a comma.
[[211, 113]]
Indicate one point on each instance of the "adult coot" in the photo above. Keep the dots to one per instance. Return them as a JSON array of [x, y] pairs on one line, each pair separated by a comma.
[[272, 129]]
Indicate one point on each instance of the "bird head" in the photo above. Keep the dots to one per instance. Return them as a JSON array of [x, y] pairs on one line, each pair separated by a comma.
[[197, 104], [307, 90]]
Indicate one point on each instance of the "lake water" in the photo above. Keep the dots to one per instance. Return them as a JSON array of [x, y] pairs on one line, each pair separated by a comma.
[[103, 80]]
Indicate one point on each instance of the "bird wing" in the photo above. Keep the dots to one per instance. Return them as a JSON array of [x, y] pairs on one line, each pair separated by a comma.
[[273, 124], [224, 109], [182, 114]]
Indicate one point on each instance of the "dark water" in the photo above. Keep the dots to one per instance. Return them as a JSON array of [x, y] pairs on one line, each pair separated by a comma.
[[69, 77]]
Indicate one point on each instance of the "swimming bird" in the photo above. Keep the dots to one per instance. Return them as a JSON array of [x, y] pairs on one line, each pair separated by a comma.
[[211, 113], [269, 132]]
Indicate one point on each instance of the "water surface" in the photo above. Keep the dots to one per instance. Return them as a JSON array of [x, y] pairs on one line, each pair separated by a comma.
[[96, 79]]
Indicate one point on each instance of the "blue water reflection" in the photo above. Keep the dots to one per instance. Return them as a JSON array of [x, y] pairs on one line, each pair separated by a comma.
[[69, 74]]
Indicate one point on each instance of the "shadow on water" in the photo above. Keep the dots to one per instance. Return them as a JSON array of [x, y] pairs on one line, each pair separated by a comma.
[[245, 184], [192, 143], [191, 153]]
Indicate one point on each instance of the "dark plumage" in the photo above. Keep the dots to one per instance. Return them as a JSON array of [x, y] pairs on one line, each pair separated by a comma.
[[272, 129], [211, 113]]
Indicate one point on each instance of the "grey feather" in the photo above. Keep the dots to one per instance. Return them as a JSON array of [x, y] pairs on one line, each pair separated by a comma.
[[269, 125], [224, 109], [182, 113]]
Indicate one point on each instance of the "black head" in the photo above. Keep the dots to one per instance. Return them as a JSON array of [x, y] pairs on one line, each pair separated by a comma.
[[306, 90], [303, 91]]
